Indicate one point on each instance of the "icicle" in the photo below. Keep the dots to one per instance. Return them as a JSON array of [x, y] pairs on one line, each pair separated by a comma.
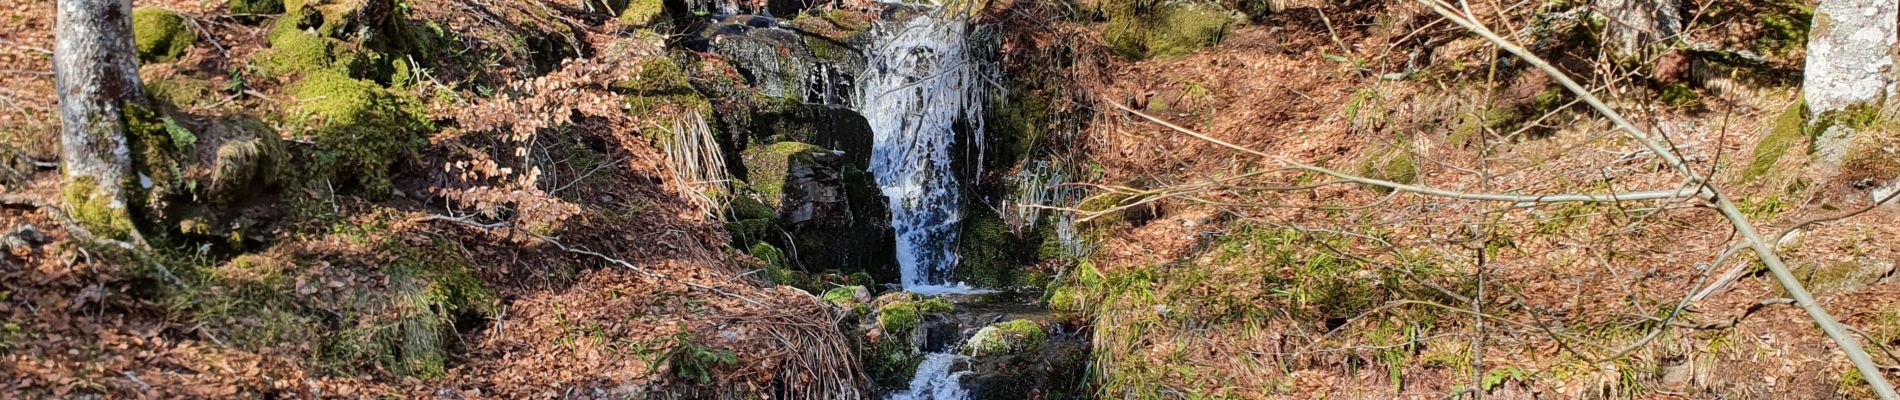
[[921, 80]]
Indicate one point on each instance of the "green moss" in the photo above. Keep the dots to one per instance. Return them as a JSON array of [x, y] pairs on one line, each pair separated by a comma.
[[181, 91], [406, 326], [767, 167], [990, 255], [777, 268], [897, 318], [935, 305], [1006, 338], [243, 164], [161, 35], [862, 278], [100, 214], [891, 361], [845, 296], [747, 208], [359, 127], [1100, 204], [158, 144], [1140, 29], [1678, 95], [749, 230], [1395, 164], [1784, 27], [643, 13], [1786, 134], [1833, 277], [660, 85], [1016, 125], [293, 51], [772, 256], [1473, 123], [1066, 298], [244, 7]]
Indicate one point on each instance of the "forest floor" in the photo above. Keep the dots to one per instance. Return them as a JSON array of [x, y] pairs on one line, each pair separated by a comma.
[[636, 296], [1370, 291]]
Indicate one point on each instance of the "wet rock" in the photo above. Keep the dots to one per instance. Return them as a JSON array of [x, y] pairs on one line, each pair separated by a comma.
[[787, 64], [833, 212]]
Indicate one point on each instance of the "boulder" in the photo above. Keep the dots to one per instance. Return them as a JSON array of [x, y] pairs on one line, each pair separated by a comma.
[[835, 215], [788, 64]]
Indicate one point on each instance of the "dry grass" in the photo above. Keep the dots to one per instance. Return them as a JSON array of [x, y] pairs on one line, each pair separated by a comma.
[[1565, 283]]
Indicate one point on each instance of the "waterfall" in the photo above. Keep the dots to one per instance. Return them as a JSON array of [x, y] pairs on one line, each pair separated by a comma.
[[920, 82]]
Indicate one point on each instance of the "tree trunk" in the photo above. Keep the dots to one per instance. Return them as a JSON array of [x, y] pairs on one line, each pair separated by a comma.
[[1636, 25], [95, 68], [1849, 69]]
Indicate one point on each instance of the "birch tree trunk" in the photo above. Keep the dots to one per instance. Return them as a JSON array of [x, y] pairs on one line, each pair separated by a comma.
[[95, 68], [1636, 25], [1849, 69]]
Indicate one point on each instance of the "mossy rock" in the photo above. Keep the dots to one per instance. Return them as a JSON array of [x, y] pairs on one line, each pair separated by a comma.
[[749, 230], [368, 39], [161, 35], [643, 13], [359, 127], [890, 361], [898, 318], [255, 7], [1142, 29], [1678, 95], [181, 91], [1016, 125], [778, 269], [1835, 277], [1009, 337], [660, 86], [847, 296], [293, 51], [407, 327], [935, 305], [768, 166], [1394, 164]]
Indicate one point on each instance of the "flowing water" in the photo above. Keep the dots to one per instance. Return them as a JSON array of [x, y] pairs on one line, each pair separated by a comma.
[[937, 378], [922, 85]]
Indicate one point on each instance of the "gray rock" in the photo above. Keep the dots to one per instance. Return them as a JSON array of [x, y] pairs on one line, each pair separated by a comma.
[[1849, 60]]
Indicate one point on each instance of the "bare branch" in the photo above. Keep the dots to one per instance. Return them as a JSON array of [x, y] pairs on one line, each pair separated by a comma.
[[1875, 376]]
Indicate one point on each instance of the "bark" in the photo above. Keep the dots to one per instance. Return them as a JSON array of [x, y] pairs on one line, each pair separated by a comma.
[[95, 68], [1849, 68], [1636, 25]]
